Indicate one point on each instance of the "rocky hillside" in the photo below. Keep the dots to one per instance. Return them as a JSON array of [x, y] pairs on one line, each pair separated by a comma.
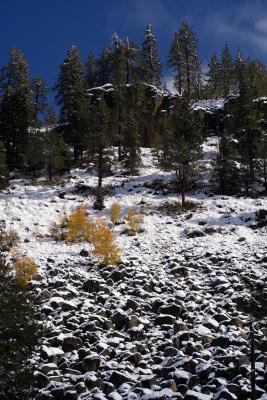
[[172, 320]]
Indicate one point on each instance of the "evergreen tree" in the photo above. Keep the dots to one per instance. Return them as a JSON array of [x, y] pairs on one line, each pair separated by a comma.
[[152, 68], [184, 58], [131, 145], [180, 146], [213, 77], [227, 171], [227, 72], [71, 98], [90, 78], [19, 335], [247, 129], [101, 140], [34, 151], [104, 67], [3, 169], [55, 150], [39, 91], [17, 107]]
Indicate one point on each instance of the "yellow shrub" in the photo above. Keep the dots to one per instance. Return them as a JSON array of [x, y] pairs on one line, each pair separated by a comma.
[[79, 227], [134, 221], [25, 269], [104, 242], [115, 212]]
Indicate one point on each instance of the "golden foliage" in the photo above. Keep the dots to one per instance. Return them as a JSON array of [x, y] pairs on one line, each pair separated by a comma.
[[105, 247], [134, 221], [115, 212], [25, 269], [80, 228]]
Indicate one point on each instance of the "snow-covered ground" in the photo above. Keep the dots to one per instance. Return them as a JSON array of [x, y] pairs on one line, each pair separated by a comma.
[[169, 321]]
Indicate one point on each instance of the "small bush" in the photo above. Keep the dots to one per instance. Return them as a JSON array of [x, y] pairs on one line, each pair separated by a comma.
[[59, 229], [8, 238], [104, 242], [115, 212], [25, 269], [79, 227], [175, 207], [134, 221]]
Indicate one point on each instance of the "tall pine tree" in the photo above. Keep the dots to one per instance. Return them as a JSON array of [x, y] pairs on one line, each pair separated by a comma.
[[71, 98], [17, 112], [151, 66], [184, 58]]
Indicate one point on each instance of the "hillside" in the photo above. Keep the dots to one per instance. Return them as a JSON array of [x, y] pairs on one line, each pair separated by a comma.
[[171, 321]]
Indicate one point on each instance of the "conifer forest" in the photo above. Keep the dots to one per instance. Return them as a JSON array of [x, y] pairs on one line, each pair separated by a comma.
[[133, 224]]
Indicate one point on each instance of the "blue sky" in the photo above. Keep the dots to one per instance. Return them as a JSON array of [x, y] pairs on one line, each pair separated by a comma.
[[44, 29]]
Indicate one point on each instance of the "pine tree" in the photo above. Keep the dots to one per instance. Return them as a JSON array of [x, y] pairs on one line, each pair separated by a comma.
[[181, 142], [104, 67], [184, 58], [17, 113], [34, 151], [19, 336], [39, 91], [131, 145], [213, 77], [101, 140], [227, 71], [55, 150], [152, 68], [90, 78], [227, 171], [247, 129], [71, 98], [3, 169]]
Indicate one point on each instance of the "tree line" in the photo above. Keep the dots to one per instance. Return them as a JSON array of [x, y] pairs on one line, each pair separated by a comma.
[[104, 103]]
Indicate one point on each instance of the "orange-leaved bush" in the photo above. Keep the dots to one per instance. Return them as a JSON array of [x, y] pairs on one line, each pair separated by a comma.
[[25, 269], [134, 221], [115, 212], [80, 228], [106, 248]]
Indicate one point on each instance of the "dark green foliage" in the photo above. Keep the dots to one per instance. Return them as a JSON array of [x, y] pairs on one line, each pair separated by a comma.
[[104, 67], [17, 112], [3, 169], [227, 72], [184, 59], [131, 145], [101, 140], [56, 153], [151, 66], [181, 141], [19, 334], [90, 78], [213, 77], [39, 91], [71, 98], [246, 126], [227, 171]]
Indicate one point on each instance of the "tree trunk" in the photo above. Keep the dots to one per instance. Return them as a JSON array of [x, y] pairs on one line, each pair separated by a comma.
[[75, 153], [181, 179], [188, 77], [265, 174], [119, 144], [100, 169], [49, 171]]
